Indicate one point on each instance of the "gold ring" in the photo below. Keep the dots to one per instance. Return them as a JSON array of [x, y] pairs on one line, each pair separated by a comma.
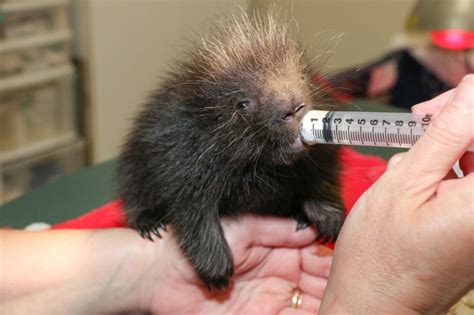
[[296, 298]]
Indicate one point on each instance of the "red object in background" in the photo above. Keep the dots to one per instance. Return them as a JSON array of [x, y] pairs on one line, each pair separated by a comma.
[[358, 173], [338, 93], [453, 39], [110, 215]]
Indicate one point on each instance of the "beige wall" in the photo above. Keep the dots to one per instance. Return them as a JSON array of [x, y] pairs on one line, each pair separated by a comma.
[[127, 44], [345, 33]]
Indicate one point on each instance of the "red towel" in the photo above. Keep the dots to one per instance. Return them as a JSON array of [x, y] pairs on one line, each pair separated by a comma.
[[358, 172]]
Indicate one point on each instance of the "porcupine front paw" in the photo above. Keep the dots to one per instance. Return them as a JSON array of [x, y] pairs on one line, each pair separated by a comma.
[[147, 225], [302, 221], [327, 218], [215, 271], [207, 251], [147, 229]]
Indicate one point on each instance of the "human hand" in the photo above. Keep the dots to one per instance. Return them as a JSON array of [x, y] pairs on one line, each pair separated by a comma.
[[271, 259], [433, 107], [111, 271], [407, 246]]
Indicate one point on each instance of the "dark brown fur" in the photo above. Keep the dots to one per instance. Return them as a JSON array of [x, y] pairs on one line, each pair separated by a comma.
[[220, 138]]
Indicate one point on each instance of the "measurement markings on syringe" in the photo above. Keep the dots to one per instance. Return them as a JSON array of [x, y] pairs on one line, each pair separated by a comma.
[[363, 128]]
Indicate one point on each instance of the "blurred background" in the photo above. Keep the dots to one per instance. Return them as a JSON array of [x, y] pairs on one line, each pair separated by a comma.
[[74, 72]]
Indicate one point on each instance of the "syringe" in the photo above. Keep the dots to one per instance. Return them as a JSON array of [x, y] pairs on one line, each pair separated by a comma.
[[400, 130]]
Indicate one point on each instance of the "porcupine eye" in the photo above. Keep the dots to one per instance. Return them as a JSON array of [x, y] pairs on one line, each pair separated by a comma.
[[245, 104]]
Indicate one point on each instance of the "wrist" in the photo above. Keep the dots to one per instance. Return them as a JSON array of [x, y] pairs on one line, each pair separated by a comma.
[[72, 271], [362, 303], [357, 292], [118, 271], [360, 308]]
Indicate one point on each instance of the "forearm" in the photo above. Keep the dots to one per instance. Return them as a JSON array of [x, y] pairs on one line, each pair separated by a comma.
[[408, 300], [66, 271], [351, 291], [346, 308]]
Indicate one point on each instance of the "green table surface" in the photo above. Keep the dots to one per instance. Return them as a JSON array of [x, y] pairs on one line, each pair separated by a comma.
[[73, 195], [62, 199]]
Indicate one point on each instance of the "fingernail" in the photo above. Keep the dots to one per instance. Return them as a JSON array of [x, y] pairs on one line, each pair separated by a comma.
[[464, 95], [418, 109], [394, 160]]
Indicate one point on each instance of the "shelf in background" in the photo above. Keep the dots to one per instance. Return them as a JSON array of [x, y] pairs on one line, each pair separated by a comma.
[[34, 41], [24, 80], [37, 147], [25, 5]]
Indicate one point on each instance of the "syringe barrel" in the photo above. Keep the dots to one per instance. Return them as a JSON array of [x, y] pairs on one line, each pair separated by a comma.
[[379, 129]]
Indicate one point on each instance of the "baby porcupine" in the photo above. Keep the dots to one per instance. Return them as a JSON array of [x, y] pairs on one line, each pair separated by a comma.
[[220, 138]]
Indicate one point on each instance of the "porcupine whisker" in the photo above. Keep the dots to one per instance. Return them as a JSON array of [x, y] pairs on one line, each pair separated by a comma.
[[214, 107], [229, 134], [266, 183], [230, 144], [259, 177], [264, 123], [207, 114], [259, 155], [256, 135], [256, 132], [261, 149], [243, 118], [224, 124], [327, 51], [210, 147], [224, 135], [232, 92]]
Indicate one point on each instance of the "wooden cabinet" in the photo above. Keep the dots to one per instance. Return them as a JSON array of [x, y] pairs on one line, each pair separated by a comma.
[[37, 95]]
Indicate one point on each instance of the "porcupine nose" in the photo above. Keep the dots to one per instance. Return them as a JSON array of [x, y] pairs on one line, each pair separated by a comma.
[[291, 115]]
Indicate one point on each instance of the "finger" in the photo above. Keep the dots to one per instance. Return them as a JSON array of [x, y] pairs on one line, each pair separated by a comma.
[[434, 105], [454, 185], [444, 142], [446, 186], [278, 232], [310, 303], [312, 285], [315, 265], [394, 160], [294, 311], [453, 195], [466, 163]]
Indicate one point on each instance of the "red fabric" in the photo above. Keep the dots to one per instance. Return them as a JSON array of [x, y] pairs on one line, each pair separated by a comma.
[[453, 39], [358, 172], [110, 215]]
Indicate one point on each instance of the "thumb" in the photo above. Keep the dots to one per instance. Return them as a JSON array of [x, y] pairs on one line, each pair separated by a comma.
[[444, 142]]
